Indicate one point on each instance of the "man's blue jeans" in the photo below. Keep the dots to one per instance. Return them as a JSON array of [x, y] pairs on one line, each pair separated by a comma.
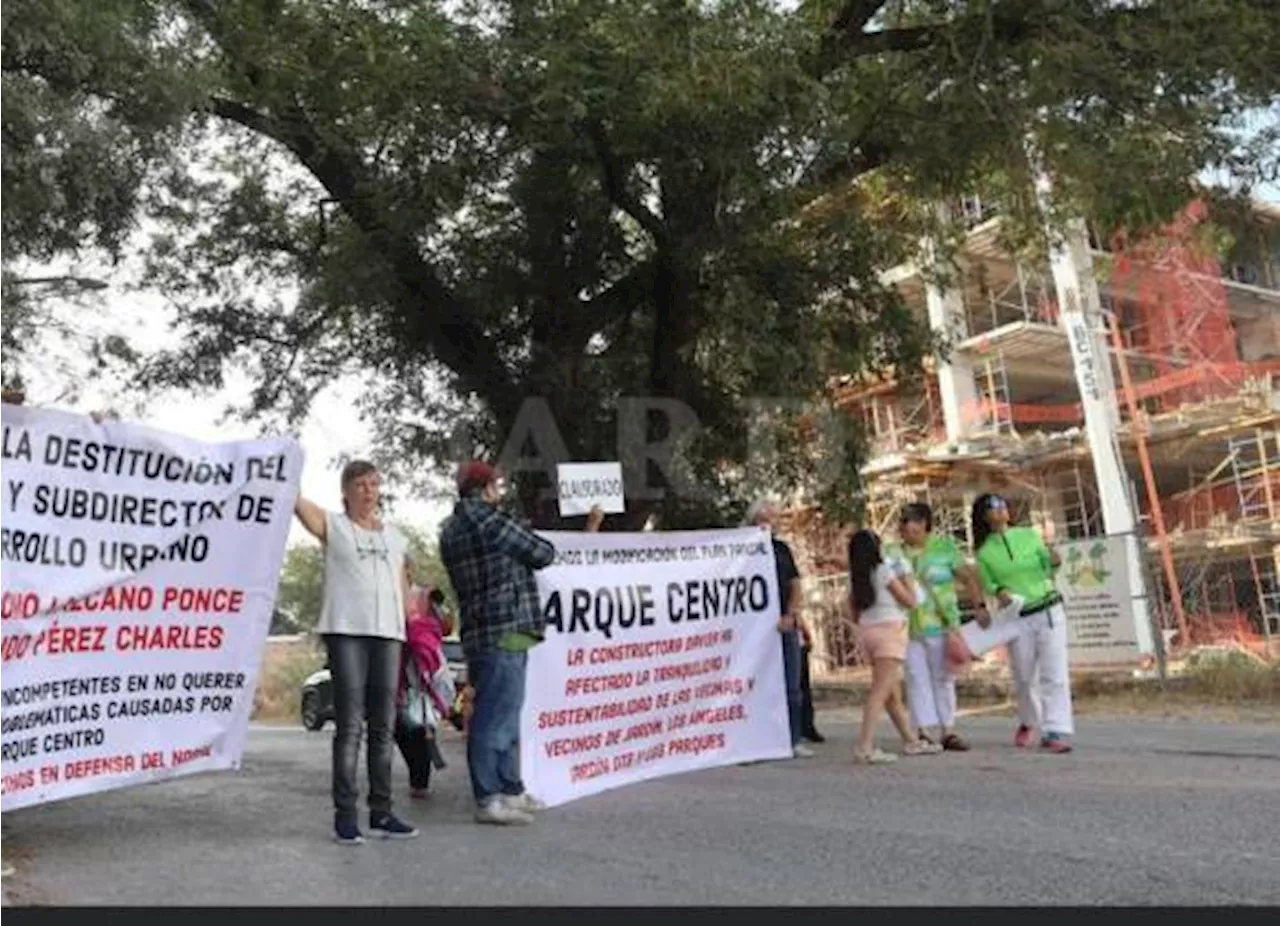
[[493, 733], [792, 656]]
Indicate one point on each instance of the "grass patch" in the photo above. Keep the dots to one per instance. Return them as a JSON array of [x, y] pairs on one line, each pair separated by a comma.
[[1231, 679], [1210, 685]]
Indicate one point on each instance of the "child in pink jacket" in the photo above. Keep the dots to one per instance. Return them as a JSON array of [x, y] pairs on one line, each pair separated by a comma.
[[427, 692]]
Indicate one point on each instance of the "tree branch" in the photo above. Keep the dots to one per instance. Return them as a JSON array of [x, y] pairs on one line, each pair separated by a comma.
[[846, 29], [617, 300], [615, 182], [1009, 22], [431, 314]]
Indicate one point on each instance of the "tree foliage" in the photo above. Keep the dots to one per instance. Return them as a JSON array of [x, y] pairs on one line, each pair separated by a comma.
[[474, 203], [93, 111], [300, 594]]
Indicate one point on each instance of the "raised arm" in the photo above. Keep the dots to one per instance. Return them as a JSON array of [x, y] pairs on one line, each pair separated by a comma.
[[313, 518]]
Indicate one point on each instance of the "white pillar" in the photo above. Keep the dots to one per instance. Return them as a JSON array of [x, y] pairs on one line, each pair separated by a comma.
[[1080, 312], [955, 376]]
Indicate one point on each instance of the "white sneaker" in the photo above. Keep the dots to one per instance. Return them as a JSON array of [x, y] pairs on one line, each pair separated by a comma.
[[801, 751], [500, 813], [874, 757], [525, 803], [921, 748]]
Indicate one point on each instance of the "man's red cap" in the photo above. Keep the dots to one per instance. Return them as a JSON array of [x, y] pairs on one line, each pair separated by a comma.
[[475, 474]]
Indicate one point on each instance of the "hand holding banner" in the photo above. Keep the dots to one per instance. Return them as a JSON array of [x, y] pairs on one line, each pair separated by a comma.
[[972, 640], [583, 486]]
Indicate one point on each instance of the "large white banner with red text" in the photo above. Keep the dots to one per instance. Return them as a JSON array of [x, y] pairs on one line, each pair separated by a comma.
[[662, 656], [139, 578]]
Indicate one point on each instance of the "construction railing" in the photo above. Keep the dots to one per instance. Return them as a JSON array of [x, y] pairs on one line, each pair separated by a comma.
[[835, 645]]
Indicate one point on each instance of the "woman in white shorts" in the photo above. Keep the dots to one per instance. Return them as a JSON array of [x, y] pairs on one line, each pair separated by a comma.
[[881, 594]]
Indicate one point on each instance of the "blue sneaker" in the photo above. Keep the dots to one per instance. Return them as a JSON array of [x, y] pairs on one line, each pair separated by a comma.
[[389, 826], [346, 832], [1055, 743]]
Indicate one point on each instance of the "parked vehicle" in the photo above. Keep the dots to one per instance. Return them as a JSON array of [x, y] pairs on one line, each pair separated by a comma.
[[317, 689]]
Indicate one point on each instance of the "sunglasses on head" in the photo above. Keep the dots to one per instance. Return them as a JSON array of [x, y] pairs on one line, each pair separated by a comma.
[[996, 503]]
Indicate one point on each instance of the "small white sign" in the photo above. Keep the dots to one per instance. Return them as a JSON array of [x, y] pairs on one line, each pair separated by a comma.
[[582, 486]]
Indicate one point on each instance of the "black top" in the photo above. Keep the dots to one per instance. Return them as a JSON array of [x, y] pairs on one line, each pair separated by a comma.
[[787, 572]]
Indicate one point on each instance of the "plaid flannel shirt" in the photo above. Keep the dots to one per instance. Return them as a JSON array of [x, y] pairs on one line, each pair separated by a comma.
[[490, 559]]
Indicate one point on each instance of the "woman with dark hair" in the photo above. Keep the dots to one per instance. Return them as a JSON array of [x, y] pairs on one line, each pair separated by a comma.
[[937, 565], [880, 595], [362, 620], [1014, 563]]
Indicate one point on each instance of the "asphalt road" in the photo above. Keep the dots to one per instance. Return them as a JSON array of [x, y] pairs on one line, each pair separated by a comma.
[[1145, 812]]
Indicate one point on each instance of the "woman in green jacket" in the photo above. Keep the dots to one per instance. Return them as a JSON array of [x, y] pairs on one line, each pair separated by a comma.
[[1014, 561]]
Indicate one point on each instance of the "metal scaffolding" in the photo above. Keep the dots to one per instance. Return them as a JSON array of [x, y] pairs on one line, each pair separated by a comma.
[[1197, 416]]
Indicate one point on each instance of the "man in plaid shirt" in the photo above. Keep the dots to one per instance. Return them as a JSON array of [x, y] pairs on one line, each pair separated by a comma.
[[491, 560]]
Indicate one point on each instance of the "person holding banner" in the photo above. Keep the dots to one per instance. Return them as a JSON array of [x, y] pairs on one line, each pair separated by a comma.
[[764, 514], [936, 565], [1015, 564], [881, 594], [808, 730], [491, 559], [362, 621]]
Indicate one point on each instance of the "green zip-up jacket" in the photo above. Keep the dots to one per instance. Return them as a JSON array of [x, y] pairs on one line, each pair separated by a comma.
[[1016, 562]]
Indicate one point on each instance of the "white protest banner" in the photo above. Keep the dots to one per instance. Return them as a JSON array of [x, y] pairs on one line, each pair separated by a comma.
[[1098, 598], [662, 656], [582, 486], [140, 573]]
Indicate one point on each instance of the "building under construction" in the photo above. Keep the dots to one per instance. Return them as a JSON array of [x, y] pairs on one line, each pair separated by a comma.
[[1119, 389]]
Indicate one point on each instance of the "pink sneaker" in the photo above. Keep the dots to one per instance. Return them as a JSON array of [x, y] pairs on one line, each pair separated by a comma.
[[1022, 739], [1054, 743]]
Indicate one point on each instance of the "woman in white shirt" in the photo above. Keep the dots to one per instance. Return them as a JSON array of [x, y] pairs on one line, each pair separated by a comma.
[[881, 593], [362, 620]]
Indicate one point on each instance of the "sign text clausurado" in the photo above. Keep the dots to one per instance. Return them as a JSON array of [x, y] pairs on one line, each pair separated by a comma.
[[140, 573], [662, 656]]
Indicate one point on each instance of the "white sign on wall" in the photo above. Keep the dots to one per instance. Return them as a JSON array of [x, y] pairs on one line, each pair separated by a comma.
[[662, 656], [1098, 597]]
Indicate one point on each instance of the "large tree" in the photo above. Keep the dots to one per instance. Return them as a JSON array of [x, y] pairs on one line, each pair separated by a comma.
[[475, 204]]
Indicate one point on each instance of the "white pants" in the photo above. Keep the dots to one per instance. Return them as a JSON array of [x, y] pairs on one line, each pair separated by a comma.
[[1038, 657], [931, 686]]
